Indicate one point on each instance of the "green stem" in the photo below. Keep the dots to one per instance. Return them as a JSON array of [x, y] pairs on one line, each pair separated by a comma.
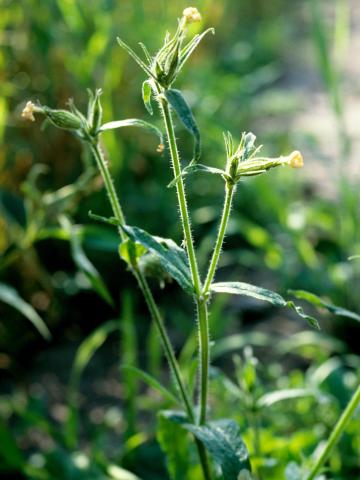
[[335, 434], [201, 303], [229, 193], [204, 354], [169, 352], [154, 311], [109, 185], [180, 189]]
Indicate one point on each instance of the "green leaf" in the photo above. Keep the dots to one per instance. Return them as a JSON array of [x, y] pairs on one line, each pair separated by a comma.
[[240, 288], [354, 257], [190, 47], [83, 356], [151, 382], [131, 251], [172, 258], [133, 122], [9, 451], [287, 394], [174, 442], [181, 107], [83, 263], [146, 95], [135, 57], [194, 168], [311, 320], [223, 441], [319, 302], [11, 297]]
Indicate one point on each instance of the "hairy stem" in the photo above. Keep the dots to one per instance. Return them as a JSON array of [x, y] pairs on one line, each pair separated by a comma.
[[169, 352], [180, 189], [109, 185], [229, 193], [204, 344], [204, 354], [154, 311], [335, 434]]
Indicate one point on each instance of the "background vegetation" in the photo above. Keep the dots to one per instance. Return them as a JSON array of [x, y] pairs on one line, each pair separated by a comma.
[[277, 68]]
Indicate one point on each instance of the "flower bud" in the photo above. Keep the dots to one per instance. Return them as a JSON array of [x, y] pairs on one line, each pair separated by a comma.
[[295, 159], [191, 15], [95, 111], [62, 118]]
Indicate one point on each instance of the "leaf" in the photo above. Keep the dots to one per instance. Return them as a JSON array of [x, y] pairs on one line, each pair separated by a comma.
[[287, 394], [146, 95], [311, 320], [83, 263], [190, 47], [135, 57], [354, 257], [181, 107], [223, 441], [240, 288], [194, 168], [83, 356], [117, 473], [133, 122], [151, 382], [319, 302], [9, 452], [131, 251], [172, 258], [11, 297], [174, 442]]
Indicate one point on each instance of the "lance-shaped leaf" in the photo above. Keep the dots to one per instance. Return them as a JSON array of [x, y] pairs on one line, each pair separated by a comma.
[[197, 167], [223, 441], [319, 302], [172, 258], [287, 394], [82, 262], [181, 107], [150, 381], [146, 95], [311, 320], [241, 288], [11, 297], [135, 57], [190, 47], [248, 290], [133, 122]]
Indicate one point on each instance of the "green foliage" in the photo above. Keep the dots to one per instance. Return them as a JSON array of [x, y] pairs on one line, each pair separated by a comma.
[[181, 107], [171, 256], [11, 297], [223, 440], [286, 402]]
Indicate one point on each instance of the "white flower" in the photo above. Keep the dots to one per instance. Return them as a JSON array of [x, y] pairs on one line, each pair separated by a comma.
[[28, 112], [191, 15]]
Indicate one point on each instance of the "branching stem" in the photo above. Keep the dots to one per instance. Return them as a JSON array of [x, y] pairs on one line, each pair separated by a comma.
[[154, 311], [229, 193]]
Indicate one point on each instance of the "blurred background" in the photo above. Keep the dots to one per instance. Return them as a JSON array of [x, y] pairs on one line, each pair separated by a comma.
[[288, 72]]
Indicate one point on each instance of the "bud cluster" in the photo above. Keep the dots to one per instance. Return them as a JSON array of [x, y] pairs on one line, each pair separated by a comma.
[[165, 66], [242, 160]]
